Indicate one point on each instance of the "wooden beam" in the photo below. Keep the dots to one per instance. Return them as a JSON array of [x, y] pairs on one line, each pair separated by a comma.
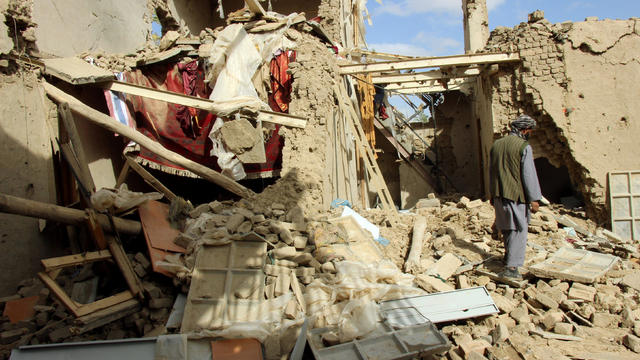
[[198, 103], [76, 259], [149, 179], [102, 317], [120, 257], [19, 206], [255, 6], [421, 63], [380, 55], [421, 84], [78, 149], [110, 124], [432, 89], [426, 76]]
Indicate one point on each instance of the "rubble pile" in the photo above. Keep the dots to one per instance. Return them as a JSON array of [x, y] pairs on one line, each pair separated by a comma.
[[47, 320]]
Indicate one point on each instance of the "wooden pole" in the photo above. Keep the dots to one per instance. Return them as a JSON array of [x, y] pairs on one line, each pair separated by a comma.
[[419, 229], [19, 206], [110, 124]]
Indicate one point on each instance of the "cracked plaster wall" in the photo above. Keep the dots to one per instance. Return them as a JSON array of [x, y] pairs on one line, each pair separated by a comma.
[[71, 27], [580, 81]]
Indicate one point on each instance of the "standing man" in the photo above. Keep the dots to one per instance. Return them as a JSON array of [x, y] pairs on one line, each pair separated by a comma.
[[515, 191]]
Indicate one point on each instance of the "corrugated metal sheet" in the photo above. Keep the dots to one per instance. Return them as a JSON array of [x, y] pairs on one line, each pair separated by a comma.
[[440, 307]]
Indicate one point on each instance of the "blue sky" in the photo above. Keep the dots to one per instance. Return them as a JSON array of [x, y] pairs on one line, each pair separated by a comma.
[[434, 27]]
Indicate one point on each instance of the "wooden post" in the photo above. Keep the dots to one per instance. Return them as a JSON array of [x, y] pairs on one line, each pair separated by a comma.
[[149, 179], [15, 205], [110, 124], [417, 239], [74, 137]]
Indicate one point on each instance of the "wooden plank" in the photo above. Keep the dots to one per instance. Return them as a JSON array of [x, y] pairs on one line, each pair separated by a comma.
[[380, 55], [98, 315], [282, 119], [110, 124], [74, 165], [429, 83], [96, 231], [255, 7], [102, 317], [419, 63], [149, 179], [76, 71], [78, 149], [431, 89], [76, 259], [372, 167], [15, 205], [59, 293], [198, 103], [134, 283], [123, 174], [104, 303], [426, 76]]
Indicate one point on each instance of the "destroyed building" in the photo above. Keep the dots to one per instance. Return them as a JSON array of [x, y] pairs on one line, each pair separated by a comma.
[[229, 182]]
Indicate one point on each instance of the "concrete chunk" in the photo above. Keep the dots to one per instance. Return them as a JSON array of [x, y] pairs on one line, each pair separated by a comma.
[[432, 284], [284, 252], [605, 320], [283, 282], [632, 342], [505, 305], [500, 333], [582, 292], [546, 301], [445, 266], [563, 329], [478, 346], [551, 319]]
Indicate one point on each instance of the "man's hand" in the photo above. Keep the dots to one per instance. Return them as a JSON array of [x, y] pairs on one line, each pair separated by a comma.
[[535, 206]]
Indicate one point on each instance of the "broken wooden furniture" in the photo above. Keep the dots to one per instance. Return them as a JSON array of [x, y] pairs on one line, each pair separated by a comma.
[[53, 266]]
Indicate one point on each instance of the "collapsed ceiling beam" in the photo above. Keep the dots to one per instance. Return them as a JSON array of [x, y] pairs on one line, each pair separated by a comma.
[[420, 84], [434, 88], [420, 63], [109, 123], [380, 55], [198, 103], [426, 76]]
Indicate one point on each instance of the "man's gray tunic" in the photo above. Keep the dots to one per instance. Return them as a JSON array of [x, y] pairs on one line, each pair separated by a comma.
[[512, 218]]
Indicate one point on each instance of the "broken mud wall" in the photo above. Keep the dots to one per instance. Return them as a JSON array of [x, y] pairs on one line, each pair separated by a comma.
[[457, 143], [388, 162], [193, 16], [111, 26], [27, 173], [304, 175], [580, 81]]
